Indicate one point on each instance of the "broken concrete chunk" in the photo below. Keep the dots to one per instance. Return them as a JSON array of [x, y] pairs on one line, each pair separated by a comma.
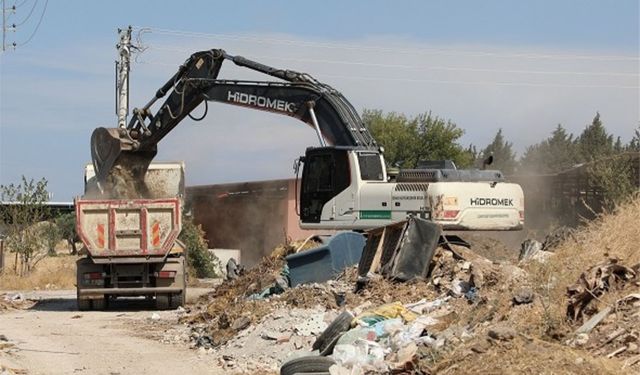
[[481, 347], [240, 323], [591, 323], [502, 333], [523, 296], [581, 339]]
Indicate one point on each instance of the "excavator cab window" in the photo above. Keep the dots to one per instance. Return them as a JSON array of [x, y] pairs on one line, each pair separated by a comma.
[[326, 173], [370, 166]]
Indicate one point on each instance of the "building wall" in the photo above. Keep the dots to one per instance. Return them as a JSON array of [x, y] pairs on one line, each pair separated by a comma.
[[253, 217]]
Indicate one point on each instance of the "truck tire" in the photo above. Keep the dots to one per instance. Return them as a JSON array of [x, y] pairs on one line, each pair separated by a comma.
[[84, 304], [99, 303], [327, 340], [162, 301], [178, 299], [306, 365]]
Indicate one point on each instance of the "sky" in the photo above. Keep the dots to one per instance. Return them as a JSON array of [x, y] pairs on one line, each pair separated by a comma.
[[522, 66]]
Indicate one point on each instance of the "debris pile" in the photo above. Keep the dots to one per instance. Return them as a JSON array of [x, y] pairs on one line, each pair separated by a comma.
[[14, 301], [576, 309]]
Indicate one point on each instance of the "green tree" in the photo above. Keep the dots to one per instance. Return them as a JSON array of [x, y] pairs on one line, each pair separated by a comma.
[[27, 207], [613, 177], [554, 154], [594, 142], [407, 140], [504, 158], [51, 235], [634, 144], [67, 225], [438, 140], [201, 262], [618, 147], [395, 133]]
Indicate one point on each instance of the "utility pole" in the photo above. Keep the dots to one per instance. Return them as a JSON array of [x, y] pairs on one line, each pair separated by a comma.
[[6, 28], [122, 69]]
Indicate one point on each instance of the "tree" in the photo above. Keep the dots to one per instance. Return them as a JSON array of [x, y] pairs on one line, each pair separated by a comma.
[[504, 158], [67, 225], [554, 154], [51, 235], [199, 259], [613, 177], [634, 144], [438, 140], [406, 140], [25, 209], [594, 142], [395, 133], [617, 147]]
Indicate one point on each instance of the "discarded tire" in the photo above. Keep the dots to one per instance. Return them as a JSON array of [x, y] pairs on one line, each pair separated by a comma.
[[327, 340], [306, 365]]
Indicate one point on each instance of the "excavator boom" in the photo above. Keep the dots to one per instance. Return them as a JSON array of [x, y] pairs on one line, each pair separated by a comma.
[[125, 153]]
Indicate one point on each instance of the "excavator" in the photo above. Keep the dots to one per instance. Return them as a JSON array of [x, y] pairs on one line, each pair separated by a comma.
[[130, 215], [344, 183]]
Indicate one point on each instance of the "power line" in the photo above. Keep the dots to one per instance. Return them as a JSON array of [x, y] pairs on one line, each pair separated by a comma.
[[458, 82], [29, 15], [44, 10], [16, 5], [497, 83], [387, 49], [421, 68]]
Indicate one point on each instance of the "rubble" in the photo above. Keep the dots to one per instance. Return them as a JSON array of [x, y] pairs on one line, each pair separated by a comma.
[[575, 313], [502, 332], [15, 301], [596, 281], [523, 296]]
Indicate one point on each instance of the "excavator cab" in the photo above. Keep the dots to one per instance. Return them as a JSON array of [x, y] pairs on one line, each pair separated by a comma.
[[326, 173]]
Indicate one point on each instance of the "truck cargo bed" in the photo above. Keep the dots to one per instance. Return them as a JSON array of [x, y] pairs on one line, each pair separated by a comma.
[[141, 228]]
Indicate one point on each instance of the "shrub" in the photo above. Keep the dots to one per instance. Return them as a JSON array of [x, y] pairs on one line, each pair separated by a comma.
[[201, 262]]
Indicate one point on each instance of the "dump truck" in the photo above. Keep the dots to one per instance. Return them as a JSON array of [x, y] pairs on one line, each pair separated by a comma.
[[131, 246]]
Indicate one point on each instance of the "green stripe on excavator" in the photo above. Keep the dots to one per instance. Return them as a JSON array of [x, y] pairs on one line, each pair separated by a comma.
[[375, 214]]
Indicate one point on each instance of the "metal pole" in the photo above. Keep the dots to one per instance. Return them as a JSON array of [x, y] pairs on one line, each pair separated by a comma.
[[312, 104], [4, 27]]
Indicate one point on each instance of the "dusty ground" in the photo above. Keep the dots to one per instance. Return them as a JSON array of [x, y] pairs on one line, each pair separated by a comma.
[[53, 338]]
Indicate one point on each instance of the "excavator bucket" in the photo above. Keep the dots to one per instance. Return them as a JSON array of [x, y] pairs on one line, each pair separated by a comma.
[[119, 164]]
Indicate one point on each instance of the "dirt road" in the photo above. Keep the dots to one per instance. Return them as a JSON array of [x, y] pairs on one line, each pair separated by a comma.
[[54, 338]]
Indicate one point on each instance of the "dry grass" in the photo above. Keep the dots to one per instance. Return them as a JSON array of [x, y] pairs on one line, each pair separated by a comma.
[[543, 326], [523, 355], [613, 235], [51, 273]]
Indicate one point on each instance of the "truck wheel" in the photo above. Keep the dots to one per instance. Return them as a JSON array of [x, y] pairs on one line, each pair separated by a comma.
[[162, 301], [177, 300], [84, 304], [99, 303]]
